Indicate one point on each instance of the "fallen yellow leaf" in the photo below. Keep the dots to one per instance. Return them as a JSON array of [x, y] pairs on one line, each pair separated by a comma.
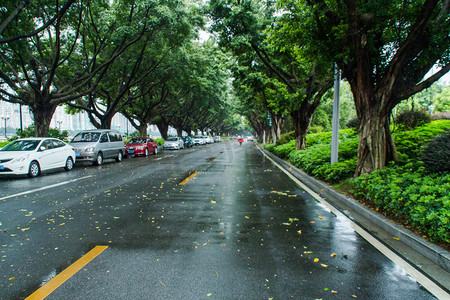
[[316, 260], [324, 265]]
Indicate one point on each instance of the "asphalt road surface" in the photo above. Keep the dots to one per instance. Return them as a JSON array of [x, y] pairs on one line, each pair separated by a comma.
[[237, 229]]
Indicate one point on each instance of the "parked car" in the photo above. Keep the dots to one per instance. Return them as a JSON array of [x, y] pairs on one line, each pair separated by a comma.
[[199, 140], [188, 143], [31, 156], [173, 143], [208, 139], [217, 139], [141, 146], [97, 145]]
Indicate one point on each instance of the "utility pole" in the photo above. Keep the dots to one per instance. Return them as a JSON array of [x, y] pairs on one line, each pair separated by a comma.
[[335, 122]]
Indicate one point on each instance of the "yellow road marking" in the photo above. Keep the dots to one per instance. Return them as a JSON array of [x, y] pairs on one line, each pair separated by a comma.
[[189, 178], [62, 277]]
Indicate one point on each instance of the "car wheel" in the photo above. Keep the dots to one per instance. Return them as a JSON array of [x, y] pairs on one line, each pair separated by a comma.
[[34, 170], [69, 164], [119, 156], [99, 160], [146, 152], [156, 150]]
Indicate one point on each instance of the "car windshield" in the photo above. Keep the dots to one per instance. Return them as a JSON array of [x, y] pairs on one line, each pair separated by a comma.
[[137, 141], [28, 145], [198, 137], [172, 139], [83, 137]]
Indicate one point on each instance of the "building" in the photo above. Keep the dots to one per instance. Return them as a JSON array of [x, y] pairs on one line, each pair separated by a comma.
[[18, 117]]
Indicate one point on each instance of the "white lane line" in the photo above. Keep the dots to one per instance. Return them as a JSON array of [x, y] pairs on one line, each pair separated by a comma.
[[418, 276], [44, 188], [159, 158]]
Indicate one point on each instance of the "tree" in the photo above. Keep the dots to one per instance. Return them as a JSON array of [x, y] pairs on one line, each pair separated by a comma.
[[384, 49], [250, 26], [163, 26], [31, 57]]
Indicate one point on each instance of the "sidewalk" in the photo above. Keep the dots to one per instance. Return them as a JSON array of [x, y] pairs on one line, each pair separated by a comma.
[[429, 259]]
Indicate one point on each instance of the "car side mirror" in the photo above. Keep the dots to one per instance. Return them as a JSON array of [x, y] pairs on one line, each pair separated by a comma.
[[42, 148]]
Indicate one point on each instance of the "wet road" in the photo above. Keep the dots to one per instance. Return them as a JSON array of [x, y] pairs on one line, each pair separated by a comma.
[[239, 229]]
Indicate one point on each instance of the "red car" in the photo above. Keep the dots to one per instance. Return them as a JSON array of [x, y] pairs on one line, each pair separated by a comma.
[[141, 146]]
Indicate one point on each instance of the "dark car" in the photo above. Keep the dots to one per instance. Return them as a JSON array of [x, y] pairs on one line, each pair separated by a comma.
[[141, 146], [188, 143]]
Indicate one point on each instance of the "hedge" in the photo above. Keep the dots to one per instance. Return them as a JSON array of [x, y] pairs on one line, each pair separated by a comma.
[[406, 192]]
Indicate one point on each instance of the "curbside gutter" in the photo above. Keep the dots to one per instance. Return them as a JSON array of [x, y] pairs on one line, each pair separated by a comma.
[[434, 253]]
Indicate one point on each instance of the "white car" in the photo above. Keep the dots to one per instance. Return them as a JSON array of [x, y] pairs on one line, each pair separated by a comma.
[[31, 156], [208, 139], [199, 140], [173, 143]]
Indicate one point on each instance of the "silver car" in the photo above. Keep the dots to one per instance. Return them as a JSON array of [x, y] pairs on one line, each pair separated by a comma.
[[97, 145], [174, 143]]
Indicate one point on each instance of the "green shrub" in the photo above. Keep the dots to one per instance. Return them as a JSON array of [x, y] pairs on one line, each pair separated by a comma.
[[325, 137], [318, 153], [337, 172], [412, 119], [269, 147], [3, 144], [408, 193], [318, 138], [436, 156], [160, 142], [411, 143], [283, 151], [311, 157], [316, 129], [52, 132], [286, 138]]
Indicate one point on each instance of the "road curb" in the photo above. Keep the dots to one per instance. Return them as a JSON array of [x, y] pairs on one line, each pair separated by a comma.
[[434, 253]]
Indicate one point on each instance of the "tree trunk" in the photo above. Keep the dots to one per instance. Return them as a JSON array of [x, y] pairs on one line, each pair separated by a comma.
[[106, 123], [142, 128], [163, 128], [42, 113], [376, 147], [179, 131], [102, 122], [278, 123], [302, 120]]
